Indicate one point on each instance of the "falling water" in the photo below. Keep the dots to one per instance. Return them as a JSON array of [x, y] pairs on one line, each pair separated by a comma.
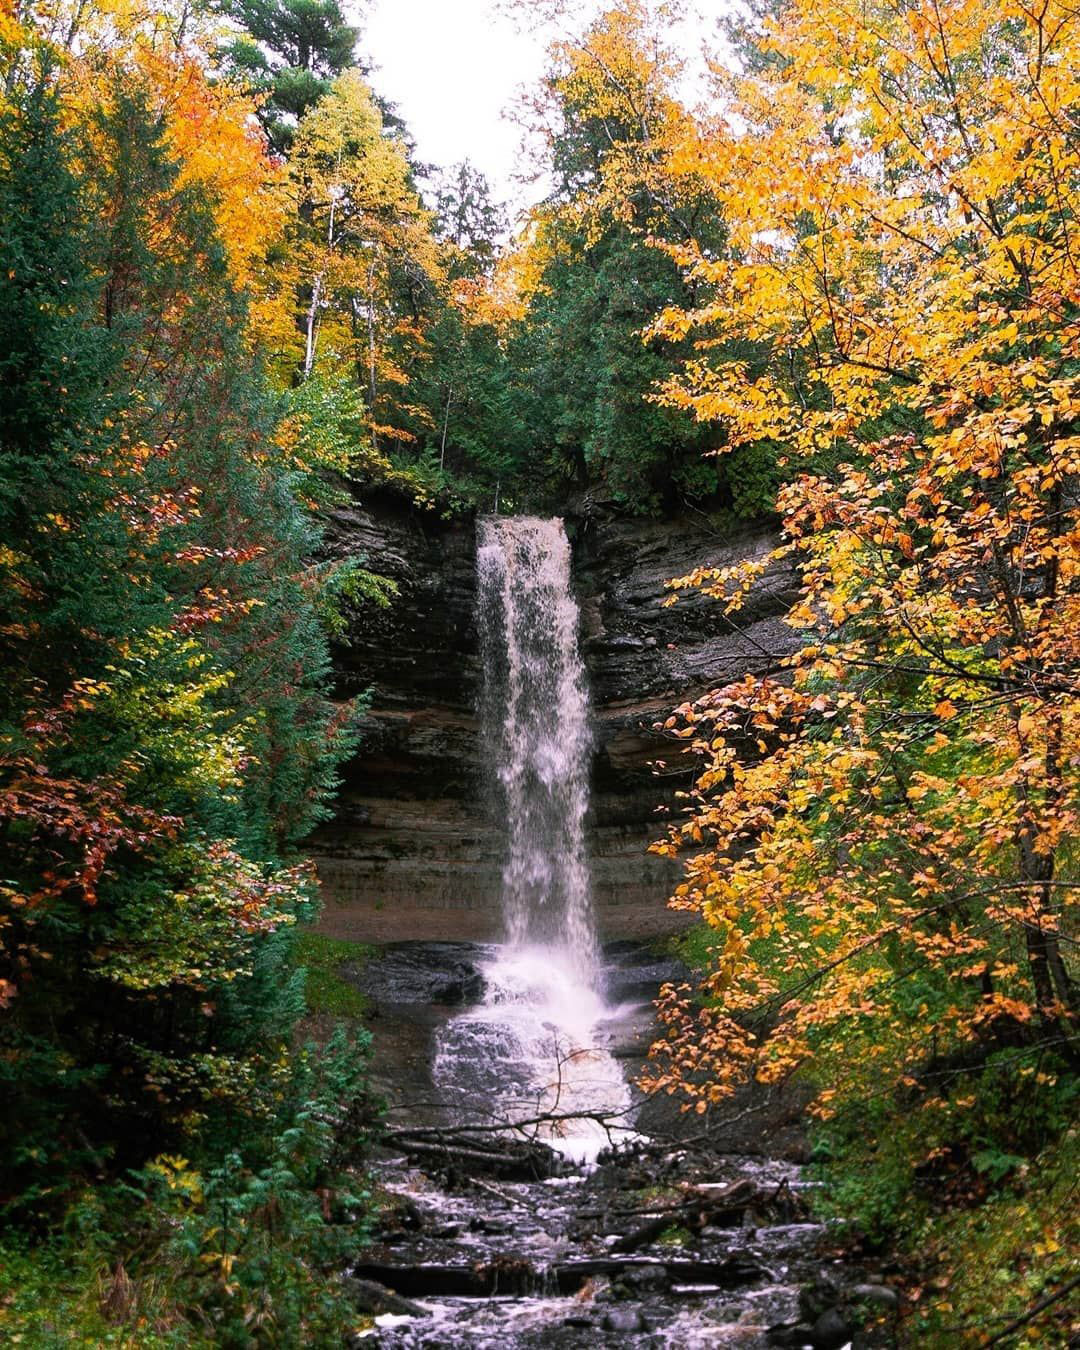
[[535, 716], [535, 1046]]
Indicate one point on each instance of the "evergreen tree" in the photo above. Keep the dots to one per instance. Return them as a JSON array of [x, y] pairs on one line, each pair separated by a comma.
[[600, 277], [165, 732], [290, 53], [468, 218]]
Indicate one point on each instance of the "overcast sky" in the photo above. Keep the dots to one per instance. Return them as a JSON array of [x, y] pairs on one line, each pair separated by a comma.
[[453, 67]]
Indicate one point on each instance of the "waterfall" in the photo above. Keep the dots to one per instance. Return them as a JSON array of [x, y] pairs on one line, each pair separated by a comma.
[[536, 1044], [536, 733]]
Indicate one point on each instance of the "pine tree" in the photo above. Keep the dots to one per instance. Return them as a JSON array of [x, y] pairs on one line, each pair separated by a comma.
[[165, 731], [290, 53]]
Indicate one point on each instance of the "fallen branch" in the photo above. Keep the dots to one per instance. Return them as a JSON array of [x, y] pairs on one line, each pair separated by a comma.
[[528, 1161], [1034, 1311], [609, 1120]]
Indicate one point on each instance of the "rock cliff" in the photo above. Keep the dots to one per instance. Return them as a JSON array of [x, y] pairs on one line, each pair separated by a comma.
[[411, 851]]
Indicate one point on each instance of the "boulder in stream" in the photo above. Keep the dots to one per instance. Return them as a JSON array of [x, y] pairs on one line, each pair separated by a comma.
[[446, 973]]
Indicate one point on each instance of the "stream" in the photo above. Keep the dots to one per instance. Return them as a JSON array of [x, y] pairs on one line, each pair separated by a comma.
[[527, 1200], [485, 1256]]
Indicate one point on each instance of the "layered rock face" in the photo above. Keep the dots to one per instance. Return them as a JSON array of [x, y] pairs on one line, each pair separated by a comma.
[[644, 658], [410, 851], [413, 851]]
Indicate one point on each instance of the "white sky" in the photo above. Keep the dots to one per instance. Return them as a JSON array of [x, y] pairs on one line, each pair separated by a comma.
[[454, 67]]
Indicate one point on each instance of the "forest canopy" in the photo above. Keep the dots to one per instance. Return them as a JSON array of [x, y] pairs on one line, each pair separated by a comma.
[[842, 302]]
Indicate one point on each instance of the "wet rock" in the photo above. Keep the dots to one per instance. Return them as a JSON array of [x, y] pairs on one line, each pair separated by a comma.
[[555, 1291], [619, 642], [647, 1279], [493, 1227], [623, 567], [880, 1294], [623, 1319], [617, 949], [830, 1331], [638, 980], [444, 973], [404, 1216], [825, 1293], [371, 1297]]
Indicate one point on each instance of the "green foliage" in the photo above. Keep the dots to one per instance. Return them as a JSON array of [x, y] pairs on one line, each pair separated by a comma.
[[347, 587], [585, 374], [473, 435], [325, 989], [59, 1297], [246, 1250], [166, 732], [50, 358], [288, 53], [970, 1124], [752, 474], [325, 431]]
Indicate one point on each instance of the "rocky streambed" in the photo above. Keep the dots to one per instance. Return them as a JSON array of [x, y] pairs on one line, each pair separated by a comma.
[[492, 1238]]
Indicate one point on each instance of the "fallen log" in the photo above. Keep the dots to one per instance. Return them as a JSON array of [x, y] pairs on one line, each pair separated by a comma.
[[510, 1275], [571, 1276], [724, 1207], [433, 1280], [370, 1297], [511, 1161]]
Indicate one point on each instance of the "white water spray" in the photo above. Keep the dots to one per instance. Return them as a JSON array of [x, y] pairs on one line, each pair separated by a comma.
[[534, 1047], [536, 725]]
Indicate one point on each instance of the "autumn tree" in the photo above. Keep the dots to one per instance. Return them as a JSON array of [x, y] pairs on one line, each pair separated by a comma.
[[366, 253], [880, 835]]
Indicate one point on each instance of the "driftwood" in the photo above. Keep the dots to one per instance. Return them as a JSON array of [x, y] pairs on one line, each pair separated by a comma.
[[508, 1159], [502, 1276], [700, 1208]]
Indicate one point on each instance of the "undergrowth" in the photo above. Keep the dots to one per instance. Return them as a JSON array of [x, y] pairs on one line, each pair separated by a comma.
[[240, 1246], [990, 1266], [971, 1182]]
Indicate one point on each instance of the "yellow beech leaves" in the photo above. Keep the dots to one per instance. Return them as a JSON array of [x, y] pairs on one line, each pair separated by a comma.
[[882, 837], [360, 225]]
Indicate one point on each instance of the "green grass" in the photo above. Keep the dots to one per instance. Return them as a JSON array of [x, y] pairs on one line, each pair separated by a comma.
[[692, 946], [327, 990]]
